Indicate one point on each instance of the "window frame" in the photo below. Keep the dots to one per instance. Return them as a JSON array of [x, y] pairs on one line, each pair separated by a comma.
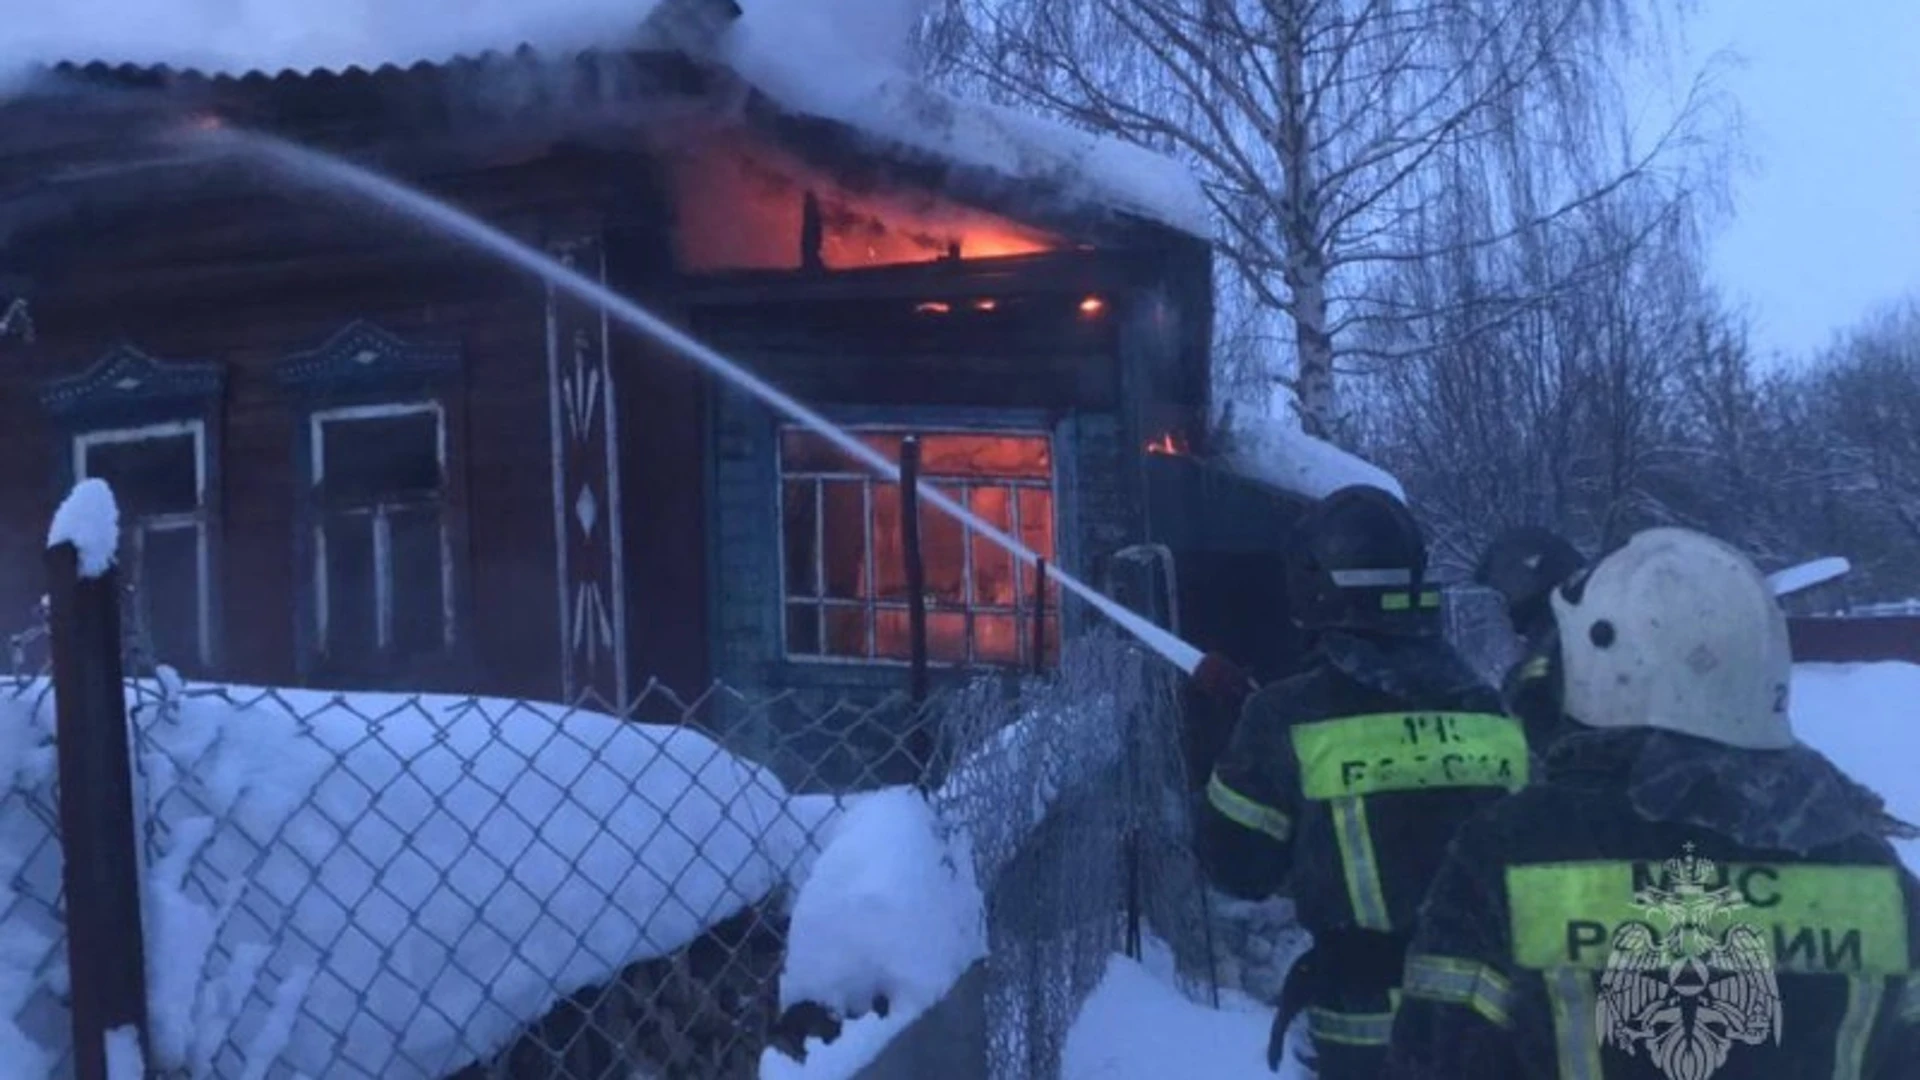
[[820, 603], [136, 528], [320, 512]]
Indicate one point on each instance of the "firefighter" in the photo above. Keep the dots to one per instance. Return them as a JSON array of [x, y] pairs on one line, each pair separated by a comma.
[[1687, 892], [1348, 779], [1523, 565]]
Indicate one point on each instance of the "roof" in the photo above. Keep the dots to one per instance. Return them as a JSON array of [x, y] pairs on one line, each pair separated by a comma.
[[783, 50]]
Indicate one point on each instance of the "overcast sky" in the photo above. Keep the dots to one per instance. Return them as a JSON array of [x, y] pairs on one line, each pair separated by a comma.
[[1827, 226]]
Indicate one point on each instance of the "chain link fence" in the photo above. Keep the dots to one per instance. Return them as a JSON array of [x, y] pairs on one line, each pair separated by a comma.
[[449, 888]]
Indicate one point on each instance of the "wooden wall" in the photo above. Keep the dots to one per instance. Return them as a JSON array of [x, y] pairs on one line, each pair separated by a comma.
[[245, 281]]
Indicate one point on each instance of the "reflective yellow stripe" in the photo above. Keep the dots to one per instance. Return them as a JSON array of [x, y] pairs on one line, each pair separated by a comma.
[[1363, 870], [1351, 1029], [1536, 668], [1399, 601], [1864, 996], [1453, 981], [1821, 919], [1576, 1034], [1367, 755], [1241, 810]]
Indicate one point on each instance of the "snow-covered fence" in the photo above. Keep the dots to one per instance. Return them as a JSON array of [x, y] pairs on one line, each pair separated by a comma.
[[366, 885], [1073, 794]]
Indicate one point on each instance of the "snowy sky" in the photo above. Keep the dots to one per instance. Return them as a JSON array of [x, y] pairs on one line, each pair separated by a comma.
[[1827, 223]]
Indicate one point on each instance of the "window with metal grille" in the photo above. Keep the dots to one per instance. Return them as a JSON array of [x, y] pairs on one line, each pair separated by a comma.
[[159, 478], [844, 573], [381, 564]]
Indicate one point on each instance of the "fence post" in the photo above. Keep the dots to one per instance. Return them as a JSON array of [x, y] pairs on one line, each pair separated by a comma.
[[1040, 616], [916, 569], [106, 951]]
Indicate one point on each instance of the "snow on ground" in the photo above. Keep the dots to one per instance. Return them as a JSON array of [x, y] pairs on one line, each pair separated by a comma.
[[1137, 1026], [391, 896], [890, 908], [89, 519], [1274, 451], [1866, 718]]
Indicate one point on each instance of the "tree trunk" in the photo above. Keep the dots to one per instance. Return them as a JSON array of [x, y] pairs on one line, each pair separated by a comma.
[[1306, 263]]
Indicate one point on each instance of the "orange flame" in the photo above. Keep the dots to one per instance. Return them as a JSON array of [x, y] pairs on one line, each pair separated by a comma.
[[742, 204], [1169, 443], [1092, 306], [933, 307]]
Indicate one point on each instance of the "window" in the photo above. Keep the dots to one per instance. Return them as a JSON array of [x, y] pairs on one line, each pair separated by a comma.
[[159, 478], [381, 565], [845, 555]]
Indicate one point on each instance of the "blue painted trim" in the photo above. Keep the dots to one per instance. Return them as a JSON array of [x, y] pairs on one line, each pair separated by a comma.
[[126, 387], [363, 356]]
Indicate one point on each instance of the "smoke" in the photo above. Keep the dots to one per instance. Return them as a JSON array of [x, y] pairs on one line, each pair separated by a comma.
[[242, 35]]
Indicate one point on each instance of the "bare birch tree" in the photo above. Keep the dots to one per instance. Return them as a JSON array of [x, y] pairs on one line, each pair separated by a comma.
[[1326, 130]]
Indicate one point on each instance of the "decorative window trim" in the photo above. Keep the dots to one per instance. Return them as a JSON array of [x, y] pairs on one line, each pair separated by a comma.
[[197, 520], [125, 391], [933, 426], [127, 381], [365, 357], [364, 371]]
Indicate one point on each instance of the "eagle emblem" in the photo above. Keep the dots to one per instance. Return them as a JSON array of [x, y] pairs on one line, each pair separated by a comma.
[[1689, 982]]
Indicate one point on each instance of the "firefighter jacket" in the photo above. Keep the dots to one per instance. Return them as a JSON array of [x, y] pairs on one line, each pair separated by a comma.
[[1665, 908], [1353, 775], [1532, 686]]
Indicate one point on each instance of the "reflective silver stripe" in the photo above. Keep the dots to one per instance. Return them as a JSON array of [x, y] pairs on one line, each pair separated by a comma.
[[1576, 1028], [1372, 579], [1241, 810], [1864, 996], [1356, 856], [1353, 1029], [1453, 981]]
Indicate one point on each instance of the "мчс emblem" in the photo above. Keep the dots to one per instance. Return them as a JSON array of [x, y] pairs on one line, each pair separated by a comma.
[[1689, 989]]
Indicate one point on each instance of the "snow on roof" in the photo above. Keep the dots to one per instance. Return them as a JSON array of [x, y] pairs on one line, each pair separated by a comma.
[[89, 519], [835, 62], [838, 67], [428, 875], [1275, 452], [300, 35]]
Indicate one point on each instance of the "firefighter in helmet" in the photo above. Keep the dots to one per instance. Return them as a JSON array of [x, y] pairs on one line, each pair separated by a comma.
[[1346, 781], [1687, 892], [1523, 565]]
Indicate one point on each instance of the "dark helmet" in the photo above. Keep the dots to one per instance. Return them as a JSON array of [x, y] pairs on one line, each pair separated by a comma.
[[1359, 561], [1524, 565]]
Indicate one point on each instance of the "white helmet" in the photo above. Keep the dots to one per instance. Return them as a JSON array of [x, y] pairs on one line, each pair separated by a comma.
[[1677, 630]]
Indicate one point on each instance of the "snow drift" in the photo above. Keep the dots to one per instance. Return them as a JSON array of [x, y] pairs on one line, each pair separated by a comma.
[[382, 886]]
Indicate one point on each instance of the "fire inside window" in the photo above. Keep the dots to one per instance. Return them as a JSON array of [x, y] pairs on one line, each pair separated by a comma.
[[845, 553]]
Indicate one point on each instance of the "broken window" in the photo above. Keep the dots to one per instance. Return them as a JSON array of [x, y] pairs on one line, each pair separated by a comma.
[[159, 479], [382, 572], [845, 552]]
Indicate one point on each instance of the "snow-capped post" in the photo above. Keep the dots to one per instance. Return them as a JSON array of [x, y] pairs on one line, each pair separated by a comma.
[[916, 569], [106, 949]]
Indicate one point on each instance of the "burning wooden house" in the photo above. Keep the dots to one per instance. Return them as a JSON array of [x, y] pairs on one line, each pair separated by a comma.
[[350, 451]]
